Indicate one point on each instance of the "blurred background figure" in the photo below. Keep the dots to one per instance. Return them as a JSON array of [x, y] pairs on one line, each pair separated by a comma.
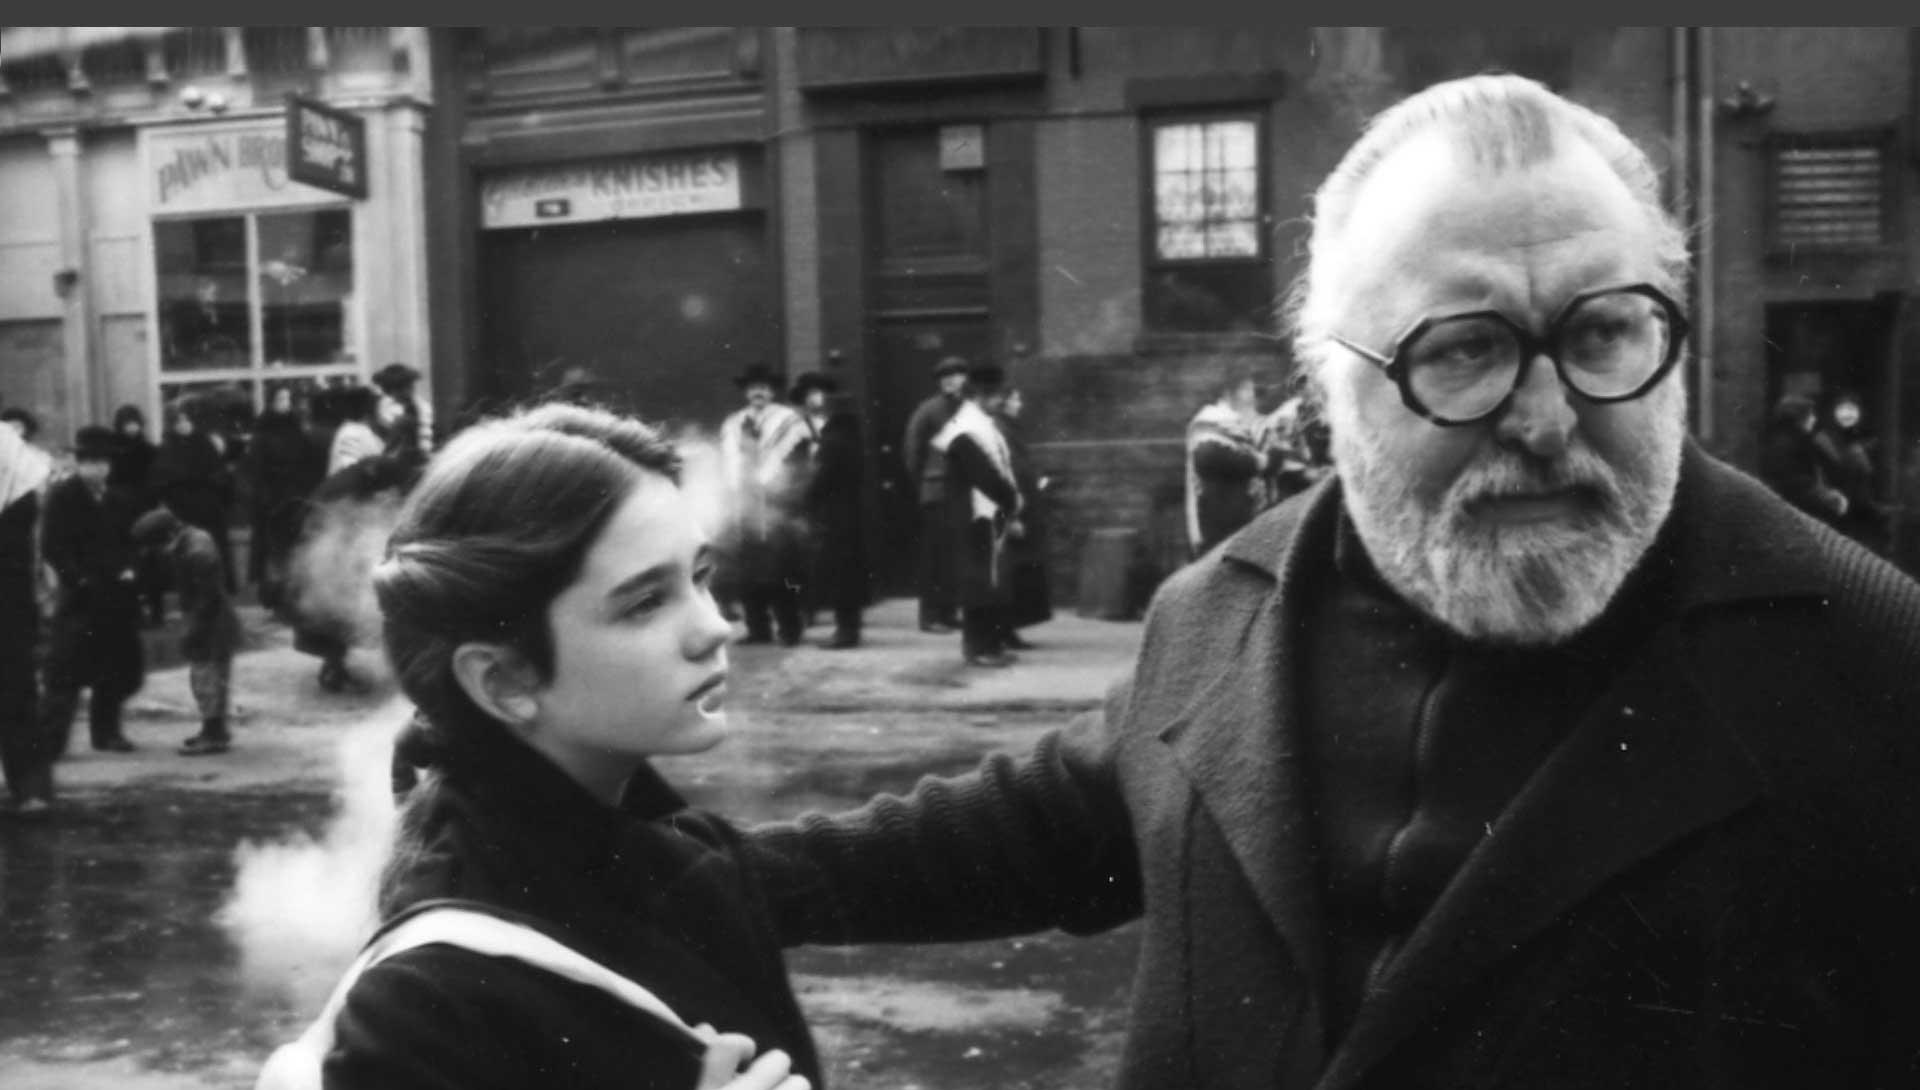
[[210, 634], [1847, 450], [763, 453], [1791, 463], [1294, 439], [1029, 593], [399, 400], [94, 641], [1225, 462], [983, 499], [809, 395], [190, 476], [282, 469], [132, 472], [354, 438], [25, 759], [840, 576], [323, 423], [328, 597], [24, 423], [927, 471]]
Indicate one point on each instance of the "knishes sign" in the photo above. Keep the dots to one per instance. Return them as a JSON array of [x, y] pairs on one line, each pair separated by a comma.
[[326, 148], [637, 188]]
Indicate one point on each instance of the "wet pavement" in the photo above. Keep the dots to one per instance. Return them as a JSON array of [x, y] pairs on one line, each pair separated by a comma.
[[121, 969]]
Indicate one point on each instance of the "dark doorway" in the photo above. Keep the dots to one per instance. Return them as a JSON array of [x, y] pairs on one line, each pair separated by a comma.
[[929, 296], [657, 314], [1823, 350]]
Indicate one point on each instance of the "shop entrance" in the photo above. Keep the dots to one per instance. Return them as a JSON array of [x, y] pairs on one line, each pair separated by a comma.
[[658, 315]]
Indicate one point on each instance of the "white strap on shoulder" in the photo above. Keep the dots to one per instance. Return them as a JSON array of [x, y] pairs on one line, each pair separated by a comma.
[[296, 1065], [484, 933]]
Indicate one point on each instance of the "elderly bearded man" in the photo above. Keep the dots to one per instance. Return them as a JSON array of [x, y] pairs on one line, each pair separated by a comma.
[[1535, 749]]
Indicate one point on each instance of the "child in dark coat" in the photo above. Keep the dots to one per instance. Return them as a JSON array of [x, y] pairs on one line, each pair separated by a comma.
[[212, 631], [547, 606]]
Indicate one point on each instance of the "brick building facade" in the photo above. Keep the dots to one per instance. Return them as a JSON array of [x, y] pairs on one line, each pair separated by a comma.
[[1110, 212]]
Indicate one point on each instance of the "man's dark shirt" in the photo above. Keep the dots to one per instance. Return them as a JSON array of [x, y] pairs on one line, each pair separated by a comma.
[[1420, 738]]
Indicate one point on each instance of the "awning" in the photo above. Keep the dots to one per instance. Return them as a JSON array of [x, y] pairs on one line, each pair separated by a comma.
[[19, 43]]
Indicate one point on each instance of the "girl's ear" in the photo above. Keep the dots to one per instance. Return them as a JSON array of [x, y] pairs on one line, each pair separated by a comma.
[[499, 682]]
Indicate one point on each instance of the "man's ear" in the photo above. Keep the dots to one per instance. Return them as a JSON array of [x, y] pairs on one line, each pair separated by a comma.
[[500, 682]]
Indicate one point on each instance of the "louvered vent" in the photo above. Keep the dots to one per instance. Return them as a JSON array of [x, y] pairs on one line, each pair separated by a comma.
[[1829, 195]]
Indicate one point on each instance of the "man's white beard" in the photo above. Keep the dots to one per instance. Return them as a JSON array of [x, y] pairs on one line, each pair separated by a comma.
[[1528, 584]]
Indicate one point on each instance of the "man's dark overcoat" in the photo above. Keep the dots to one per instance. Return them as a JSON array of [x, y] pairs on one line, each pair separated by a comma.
[[94, 636], [1714, 881]]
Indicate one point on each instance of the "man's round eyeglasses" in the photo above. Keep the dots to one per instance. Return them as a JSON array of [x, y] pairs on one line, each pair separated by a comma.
[[1609, 345]]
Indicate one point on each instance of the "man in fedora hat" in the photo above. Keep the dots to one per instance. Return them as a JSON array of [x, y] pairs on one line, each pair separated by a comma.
[[763, 451], [832, 499], [94, 642], [810, 394], [927, 469]]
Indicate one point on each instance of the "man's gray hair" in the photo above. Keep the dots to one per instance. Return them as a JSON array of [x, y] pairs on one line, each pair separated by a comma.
[[1499, 123]]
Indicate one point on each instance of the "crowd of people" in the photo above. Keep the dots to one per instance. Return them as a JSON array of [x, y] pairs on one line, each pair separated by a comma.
[[1539, 748], [1824, 463], [93, 541], [796, 543], [1241, 461]]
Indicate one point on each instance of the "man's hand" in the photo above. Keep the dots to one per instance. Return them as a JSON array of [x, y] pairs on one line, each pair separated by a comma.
[[727, 1051]]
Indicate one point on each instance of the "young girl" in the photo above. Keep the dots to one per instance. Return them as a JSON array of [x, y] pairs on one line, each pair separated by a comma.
[[546, 604]]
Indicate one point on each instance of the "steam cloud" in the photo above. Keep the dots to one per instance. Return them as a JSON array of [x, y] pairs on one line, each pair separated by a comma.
[[301, 907], [331, 573]]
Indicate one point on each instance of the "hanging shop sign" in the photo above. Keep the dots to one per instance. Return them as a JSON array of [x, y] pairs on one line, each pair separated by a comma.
[[326, 147], [222, 167], [636, 188]]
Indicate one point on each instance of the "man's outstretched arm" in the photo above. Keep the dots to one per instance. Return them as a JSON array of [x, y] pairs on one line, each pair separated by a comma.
[[1020, 844]]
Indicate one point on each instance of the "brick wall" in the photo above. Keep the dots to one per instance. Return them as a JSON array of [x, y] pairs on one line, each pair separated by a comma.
[[1110, 430]]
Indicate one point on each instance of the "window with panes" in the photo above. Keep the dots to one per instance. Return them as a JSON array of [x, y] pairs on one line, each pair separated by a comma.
[[1208, 254]]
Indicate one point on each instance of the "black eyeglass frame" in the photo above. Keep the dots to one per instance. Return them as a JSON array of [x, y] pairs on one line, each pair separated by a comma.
[[1394, 364]]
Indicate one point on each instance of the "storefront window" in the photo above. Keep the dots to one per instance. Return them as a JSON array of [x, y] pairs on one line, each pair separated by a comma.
[[306, 283], [205, 305], [246, 299]]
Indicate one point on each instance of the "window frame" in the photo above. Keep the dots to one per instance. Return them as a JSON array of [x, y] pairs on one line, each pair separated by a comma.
[[1150, 120], [257, 376]]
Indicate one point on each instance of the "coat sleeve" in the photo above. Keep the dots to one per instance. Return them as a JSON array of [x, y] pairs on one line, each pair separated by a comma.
[[203, 584], [59, 533], [913, 447], [1020, 844], [971, 465]]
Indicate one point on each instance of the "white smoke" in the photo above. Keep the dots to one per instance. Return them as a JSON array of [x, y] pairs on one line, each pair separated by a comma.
[[718, 507], [301, 907], [331, 574], [703, 480]]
